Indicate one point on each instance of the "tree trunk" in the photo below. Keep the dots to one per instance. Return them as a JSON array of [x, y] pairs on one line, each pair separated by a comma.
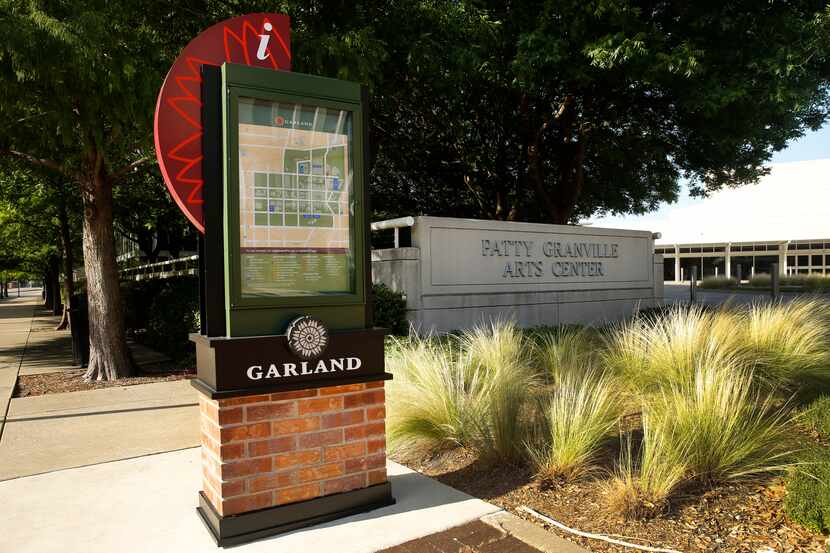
[[49, 287], [109, 358], [68, 262]]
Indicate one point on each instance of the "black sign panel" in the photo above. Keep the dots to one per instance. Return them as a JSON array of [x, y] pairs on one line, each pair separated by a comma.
[[237, 366]]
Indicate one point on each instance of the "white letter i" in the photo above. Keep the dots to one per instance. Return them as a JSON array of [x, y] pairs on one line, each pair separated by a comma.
[[262, 53]]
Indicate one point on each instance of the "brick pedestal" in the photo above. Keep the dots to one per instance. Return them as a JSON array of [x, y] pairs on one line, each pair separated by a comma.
[[271, 450]]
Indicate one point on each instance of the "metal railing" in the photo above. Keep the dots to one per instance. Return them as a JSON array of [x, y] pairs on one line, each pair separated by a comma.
[[182, 266]]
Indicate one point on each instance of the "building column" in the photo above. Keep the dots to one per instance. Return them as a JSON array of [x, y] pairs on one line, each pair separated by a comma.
[[782, 259], [728, 268], [677, 264]]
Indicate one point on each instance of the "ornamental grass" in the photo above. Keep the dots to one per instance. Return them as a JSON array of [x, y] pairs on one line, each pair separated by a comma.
[[565, 351], [720, 425], [577, 417], [462, 391], [644, 482], [787, 344], [657, 350]]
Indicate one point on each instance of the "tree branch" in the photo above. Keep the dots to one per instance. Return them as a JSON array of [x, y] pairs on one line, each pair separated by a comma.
[[40, 162], [120, 173]]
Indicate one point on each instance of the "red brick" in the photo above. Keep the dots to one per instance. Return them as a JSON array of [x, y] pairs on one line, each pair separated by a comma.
[[229, 452], [211, 445], [378, 384], [376, 413], [297, 459], [268, 447], [366, 398], [320, 472], [230, 416], [272, 481], [232, 488], [319, 405], [245, 432], [209, 429], [377, 476], [365, 431], [341, 452], [270, 411], [245, 503], [376, 446], [297, 493], [213, 497], [296, 394], [344, 389], [365, 463], [245, 468], [295, 426], [339, 485], [344, 418], [243, 400], [317, 439], [210, 465]]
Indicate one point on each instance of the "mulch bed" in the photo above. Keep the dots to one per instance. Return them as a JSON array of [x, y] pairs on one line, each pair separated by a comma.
[[72, 381], [742, 517]]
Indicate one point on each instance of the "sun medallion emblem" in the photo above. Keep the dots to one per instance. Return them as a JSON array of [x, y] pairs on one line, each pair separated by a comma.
[[307, 337]]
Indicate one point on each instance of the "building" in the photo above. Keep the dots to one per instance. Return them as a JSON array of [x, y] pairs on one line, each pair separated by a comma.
[[729, 259], [784, 219]]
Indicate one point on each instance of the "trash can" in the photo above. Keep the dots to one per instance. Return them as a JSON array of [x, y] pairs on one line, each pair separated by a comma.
[[79, 325]]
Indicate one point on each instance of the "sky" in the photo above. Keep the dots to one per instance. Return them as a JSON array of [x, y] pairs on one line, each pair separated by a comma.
[[792, 202]]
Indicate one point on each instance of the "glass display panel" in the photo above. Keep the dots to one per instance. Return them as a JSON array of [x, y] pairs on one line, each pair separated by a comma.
[[296, 220]]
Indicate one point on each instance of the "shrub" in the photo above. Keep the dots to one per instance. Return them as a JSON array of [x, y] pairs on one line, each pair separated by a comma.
[[459, 391], [808, 492], [788, 343], [817, 415], [390, 309], [577, 416], [720, 425], [816, 283], [174, 314], [761, 281], [718, 282]]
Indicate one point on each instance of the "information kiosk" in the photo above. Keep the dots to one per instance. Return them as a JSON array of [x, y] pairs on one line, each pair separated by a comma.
[[289, 367]]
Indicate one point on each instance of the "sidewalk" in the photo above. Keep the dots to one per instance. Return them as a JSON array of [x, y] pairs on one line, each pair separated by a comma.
[[58, 431], [148, 504], [17, 321]]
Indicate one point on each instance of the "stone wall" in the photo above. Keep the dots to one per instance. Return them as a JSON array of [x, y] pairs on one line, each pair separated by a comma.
[[460, 272]]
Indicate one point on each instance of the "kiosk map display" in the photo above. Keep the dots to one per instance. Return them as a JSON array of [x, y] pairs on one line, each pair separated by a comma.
[[295, 199]]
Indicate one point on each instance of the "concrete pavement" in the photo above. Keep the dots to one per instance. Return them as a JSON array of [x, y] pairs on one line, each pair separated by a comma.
[[58, 431], [679, 293], [17, 319], [148, 504]]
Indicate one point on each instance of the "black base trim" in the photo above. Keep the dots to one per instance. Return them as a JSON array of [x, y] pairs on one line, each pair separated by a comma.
[[205, 388], [246, 527]]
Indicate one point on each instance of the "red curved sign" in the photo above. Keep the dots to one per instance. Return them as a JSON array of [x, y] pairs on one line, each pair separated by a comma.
[[257, 39]]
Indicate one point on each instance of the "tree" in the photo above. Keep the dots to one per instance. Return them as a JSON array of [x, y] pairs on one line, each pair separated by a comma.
[[554, 110], [79, 81]]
